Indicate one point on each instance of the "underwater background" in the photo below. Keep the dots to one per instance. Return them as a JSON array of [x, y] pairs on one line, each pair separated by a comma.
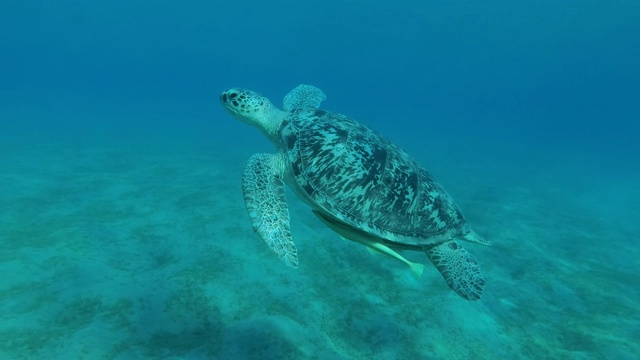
[[123, 231]]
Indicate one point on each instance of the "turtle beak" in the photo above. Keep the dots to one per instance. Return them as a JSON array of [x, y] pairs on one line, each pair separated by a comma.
[[229, 98], [229, 101], [224, 97]]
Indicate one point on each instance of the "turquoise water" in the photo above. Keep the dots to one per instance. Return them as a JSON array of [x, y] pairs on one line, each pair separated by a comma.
[[123, 231]]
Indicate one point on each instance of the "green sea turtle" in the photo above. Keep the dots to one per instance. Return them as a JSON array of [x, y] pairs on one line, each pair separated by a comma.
[[357, 182]]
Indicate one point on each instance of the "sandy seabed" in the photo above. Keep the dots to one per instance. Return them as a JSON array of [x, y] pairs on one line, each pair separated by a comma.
[[146, 252]]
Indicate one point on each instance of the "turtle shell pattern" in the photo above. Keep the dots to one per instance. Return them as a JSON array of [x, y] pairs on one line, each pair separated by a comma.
[[357, 176]]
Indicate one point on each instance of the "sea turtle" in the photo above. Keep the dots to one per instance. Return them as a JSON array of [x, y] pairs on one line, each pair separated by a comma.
[[356, 181]]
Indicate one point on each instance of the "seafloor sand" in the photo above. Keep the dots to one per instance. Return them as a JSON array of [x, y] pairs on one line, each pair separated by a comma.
[[136, 252]]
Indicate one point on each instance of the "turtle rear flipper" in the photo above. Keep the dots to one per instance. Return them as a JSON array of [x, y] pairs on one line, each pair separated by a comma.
[[263, 190], [459, 268]]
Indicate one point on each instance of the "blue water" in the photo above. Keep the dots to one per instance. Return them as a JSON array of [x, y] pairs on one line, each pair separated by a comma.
[[123, 232]]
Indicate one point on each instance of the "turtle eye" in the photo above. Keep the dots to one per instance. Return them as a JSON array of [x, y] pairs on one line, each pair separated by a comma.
[[223, 97]]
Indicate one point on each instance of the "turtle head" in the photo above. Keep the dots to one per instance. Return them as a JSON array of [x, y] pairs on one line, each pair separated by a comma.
[[252, 108]]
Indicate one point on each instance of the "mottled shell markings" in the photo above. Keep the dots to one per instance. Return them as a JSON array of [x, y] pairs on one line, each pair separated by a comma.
[[360, 177]]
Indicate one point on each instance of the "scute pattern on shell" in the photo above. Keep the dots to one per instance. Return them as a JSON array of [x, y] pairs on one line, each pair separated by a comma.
[[361, 178]]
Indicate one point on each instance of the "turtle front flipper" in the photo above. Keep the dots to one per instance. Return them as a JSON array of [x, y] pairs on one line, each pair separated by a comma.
[[303, 97], [459, 268], [263, 188]]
